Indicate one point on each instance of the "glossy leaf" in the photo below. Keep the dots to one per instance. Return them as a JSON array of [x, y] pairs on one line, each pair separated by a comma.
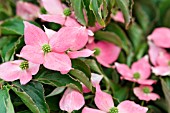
[[32, 96], [5, 103]]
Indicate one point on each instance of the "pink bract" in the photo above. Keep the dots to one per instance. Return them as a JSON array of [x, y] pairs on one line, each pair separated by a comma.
[[107, 52], [160, 58], [41, 49], [27, 11], [161, 37], [18, 69], [105, 103], [71, 100], [140, 71], [145, 93]]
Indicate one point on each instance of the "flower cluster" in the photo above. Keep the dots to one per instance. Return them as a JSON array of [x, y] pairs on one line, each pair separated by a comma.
[[55, 50]]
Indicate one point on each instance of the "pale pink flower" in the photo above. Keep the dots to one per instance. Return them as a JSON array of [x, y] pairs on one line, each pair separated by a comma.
[[118, 17], [95, 79], [71, 100], [106, 53], [27, 11], [161, 37], [140, 71], [18, 69], [105, 103], [49, 51], [145, 93], [160, 58]]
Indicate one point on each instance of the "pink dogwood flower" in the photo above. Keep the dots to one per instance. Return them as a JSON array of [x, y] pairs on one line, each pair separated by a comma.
[[27, 11], [118, 17], [49, 51], [145, 93], [71, 100], [160, 58], [160, 37], [106, 53], [18, 69], [105, 103], [139, 72]]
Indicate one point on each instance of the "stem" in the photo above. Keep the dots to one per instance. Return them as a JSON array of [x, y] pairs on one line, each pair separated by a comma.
[[133, 85], [107, 82]]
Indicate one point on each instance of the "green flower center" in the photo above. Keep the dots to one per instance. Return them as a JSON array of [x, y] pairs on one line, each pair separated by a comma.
[[114, 110], [46, 48], [136, 75], [67, 12], [146, 90], [24, 65], [97, 51], [168, 63]]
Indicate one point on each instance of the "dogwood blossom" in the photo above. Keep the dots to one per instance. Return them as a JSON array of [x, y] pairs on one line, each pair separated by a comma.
[[145, 93], [41, 49], [18, 69], [139, 72], [105, 103], [106, 53]]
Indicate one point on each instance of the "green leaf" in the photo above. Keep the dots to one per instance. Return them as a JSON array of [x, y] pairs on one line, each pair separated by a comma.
[[12, 26], [78, 9], [126, 44], [5, 103], [93, 65], [90, 15], [109, 37], [8, 51], [56, 91], [126, 8], [81, 65], [146, 14], [56, 79], [95, 7], [32, 95], [166, 89], [82, 77]]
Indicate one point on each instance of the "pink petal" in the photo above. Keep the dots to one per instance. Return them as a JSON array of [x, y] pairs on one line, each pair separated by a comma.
[[33, 54], [53, 6], [108, 52], [49, 32], [10, 71], [70, 22], [91, 39], [85, 89], [81, 53], [103, 100], [138, 91], [119, 17], [161, 70], [25, 77], [160, 37], [142, 66], [59, 19], [91, 110], [69, 37], [33, 68], [71, 100], [154, 52], [124, 70], [131, 107], [146, 82], [26, 10], [163, 59], [34, 35], [57, 61]]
